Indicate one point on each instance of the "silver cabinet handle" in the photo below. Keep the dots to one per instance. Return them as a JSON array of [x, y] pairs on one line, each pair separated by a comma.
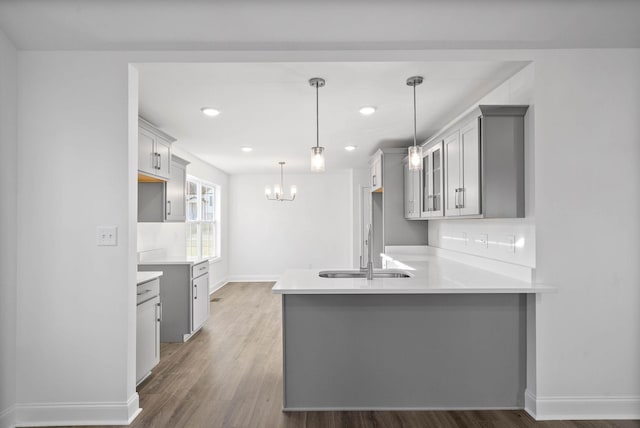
[[374, 180], [144, 292], [159, 161], [159, 312], [169, 207], [457, 198], [462, 202], [195, 296]]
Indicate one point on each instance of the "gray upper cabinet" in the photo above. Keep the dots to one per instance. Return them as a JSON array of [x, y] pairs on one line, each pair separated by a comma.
[[175, 191], [462, 166], [375, 167], [154, 151], [484, 164], [474, 168], [164, 201]]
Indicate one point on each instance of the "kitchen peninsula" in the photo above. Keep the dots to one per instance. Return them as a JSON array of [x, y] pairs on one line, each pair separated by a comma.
[[449, 336]]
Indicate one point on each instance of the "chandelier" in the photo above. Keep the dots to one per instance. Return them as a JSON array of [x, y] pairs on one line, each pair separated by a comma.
[[278, 189]]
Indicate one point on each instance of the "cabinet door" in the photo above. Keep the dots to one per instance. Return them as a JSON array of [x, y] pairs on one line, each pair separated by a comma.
[[415, 199], [175, 193], [200, 301], [426, 186], [163, 150], [408, 190], [452, 155], [147, 337], [437, 186], [147, 160], [469, 195], [376, 175]]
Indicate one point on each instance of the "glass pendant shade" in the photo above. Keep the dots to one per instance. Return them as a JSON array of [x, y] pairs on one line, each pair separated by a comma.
[[317, 159], [415, 158], [267, 191], [293, 190]]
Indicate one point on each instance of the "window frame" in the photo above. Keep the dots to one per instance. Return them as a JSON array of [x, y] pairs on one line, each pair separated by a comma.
[[199, 221]]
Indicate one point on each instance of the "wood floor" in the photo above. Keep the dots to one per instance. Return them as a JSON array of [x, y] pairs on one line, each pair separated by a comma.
[[229, 375]]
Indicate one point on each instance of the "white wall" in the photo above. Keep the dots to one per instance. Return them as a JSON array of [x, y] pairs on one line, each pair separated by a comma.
[[171, 236], [314, 231], [460, 235], [75, 300], [361, 178], [8, 222], [588, 232]]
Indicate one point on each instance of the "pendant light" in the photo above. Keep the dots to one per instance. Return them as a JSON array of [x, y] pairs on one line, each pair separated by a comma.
[[278, 189], [317, 152], [415, 152]]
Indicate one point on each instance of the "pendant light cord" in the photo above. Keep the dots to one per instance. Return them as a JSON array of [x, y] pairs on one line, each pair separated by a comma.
[[414, 116], [317, 118]]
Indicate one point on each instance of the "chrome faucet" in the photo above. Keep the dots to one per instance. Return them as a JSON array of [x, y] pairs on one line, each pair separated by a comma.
[[370, 254]]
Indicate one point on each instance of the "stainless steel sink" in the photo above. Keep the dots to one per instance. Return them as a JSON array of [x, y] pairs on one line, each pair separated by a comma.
[[381, 273]]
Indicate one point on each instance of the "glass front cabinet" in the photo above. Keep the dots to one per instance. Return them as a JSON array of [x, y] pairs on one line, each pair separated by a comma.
[[433, 182]]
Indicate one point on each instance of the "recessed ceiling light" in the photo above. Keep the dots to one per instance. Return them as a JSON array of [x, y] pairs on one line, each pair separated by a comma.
[[350, 148], [367, 110], [209, 111], [246, 149]]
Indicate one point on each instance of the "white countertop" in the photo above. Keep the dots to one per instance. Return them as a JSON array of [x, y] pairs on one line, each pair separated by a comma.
[[174, 261], [148, 276], [431, 275]]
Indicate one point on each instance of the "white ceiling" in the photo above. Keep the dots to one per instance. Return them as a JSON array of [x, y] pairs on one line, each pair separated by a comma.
[[271, 107], [320, 24]]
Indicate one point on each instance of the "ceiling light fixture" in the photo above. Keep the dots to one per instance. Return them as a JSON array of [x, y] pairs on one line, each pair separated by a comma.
[[278, 189], [350, 148], [415, 152], [246, 149], [317, 152], [210, 111], [367, 110]]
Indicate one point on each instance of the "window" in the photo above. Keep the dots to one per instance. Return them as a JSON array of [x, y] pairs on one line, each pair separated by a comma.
[[203, 220]]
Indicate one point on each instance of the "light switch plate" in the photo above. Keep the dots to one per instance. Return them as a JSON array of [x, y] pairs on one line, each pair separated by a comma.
[[107, 235]]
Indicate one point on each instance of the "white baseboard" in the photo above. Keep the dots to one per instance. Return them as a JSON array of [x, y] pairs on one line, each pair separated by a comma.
[[530, 403], [581, 408], [7, 418], [393, 409], [217, 286], [62, 414], [253, 278]]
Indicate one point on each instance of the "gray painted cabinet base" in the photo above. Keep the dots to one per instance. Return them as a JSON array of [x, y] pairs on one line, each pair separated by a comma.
[[403, 351]]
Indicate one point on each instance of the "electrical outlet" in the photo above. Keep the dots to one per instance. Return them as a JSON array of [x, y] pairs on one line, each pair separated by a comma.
[[508, 244], [107, 235], [480, 240]]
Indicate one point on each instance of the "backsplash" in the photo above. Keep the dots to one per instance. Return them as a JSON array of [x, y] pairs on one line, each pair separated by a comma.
[[508, 240], [170, 237]]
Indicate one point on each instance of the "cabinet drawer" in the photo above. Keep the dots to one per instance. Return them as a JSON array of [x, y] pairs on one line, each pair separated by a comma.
[[200, 269], [147, 290]]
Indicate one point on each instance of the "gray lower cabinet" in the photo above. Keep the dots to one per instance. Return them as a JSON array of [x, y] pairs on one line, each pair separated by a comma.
[[184, 291], [147, 335], [164, 201]]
